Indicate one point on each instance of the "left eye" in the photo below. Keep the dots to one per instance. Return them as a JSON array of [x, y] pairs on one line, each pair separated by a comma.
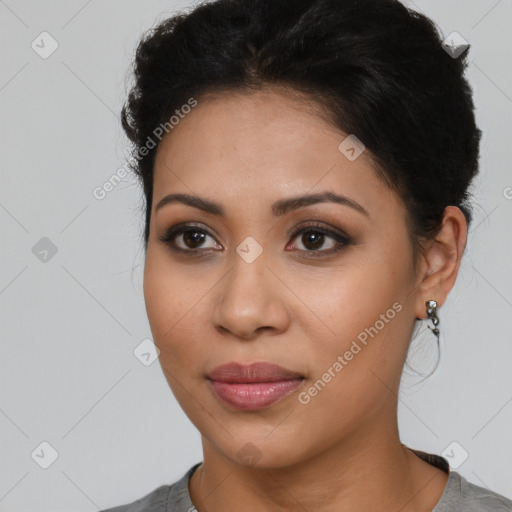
[[313, 238]]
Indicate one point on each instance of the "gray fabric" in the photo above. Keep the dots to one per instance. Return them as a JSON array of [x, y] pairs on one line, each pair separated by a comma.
[[463, 496], [458, 496], [167, 498]]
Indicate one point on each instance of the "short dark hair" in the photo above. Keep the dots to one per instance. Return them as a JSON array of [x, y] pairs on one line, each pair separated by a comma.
[[376, 68]]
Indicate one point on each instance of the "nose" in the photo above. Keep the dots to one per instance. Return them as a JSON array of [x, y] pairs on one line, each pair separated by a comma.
[[250, 300]]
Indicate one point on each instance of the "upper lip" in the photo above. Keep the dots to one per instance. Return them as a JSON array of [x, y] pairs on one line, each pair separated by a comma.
[[255, 372]]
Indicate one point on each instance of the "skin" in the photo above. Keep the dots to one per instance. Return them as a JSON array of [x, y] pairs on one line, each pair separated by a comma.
[[340, 451]]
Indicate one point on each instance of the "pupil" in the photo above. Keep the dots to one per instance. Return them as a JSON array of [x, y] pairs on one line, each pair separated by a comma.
[[194, 237], [312, 237]]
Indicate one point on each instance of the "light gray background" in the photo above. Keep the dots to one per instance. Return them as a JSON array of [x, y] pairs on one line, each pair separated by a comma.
[[68, 374]]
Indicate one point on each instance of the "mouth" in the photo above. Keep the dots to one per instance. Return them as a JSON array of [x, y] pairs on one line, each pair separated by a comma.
[[254, 386]]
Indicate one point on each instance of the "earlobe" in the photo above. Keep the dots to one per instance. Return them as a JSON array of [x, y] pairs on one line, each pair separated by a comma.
[[442, 260]]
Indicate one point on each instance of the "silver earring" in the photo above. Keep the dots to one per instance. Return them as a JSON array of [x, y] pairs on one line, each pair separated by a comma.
[[432, 315]]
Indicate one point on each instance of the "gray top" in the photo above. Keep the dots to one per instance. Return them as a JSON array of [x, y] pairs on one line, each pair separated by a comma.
[[459, 494]]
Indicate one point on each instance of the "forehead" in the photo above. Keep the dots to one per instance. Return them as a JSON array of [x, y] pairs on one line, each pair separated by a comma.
[[239, 123], [259, 147]]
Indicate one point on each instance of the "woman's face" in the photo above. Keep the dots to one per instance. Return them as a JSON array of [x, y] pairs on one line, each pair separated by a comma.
[[335, 304]]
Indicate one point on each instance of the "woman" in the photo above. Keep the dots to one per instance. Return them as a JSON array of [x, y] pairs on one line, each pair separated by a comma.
[[306, 167]]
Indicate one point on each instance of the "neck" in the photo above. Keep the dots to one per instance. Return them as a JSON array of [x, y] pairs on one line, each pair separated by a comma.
[[368, 470]]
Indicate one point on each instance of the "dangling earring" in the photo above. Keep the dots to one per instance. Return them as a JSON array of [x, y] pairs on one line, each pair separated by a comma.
[[432, 315]]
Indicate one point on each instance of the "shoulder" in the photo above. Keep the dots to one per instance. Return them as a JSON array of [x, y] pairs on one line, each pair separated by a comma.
[[460, 495], [165, 498], [155, 501], [475, 497], [469, 497]]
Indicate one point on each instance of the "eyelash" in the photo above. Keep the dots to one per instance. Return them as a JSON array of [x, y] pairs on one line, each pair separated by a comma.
[[313, 226]]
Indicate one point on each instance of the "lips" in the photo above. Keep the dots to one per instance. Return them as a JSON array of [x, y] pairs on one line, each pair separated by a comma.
[[255, 372], [254, 386]]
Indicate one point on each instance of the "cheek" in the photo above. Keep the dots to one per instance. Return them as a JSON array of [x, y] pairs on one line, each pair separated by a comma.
[[162, 314], [164, 297], [352, 296], [176, 307], [362, 336]]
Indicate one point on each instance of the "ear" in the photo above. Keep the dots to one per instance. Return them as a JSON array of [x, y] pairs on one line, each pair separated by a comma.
[[440, 263]]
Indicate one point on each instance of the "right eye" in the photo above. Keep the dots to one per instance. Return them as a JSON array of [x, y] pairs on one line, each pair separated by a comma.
[[188, 238]]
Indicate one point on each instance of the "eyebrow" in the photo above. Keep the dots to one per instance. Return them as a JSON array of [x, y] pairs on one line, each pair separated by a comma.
[[278, 209]]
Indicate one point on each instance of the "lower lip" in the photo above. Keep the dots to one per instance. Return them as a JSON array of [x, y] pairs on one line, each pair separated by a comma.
[[252, 396]]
